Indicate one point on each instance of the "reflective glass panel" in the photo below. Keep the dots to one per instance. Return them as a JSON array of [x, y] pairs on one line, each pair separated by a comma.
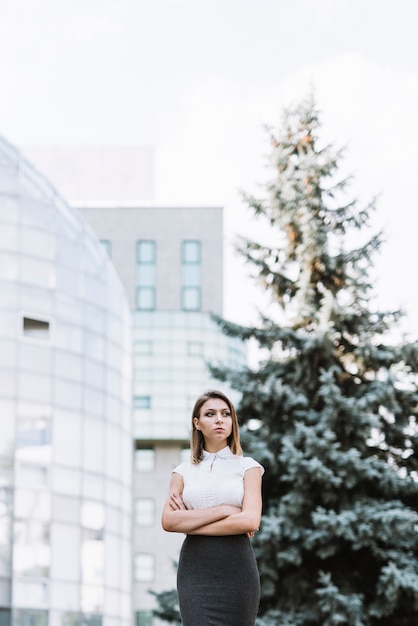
[[5, 541], [92, 559], [7, 381], [145, 275], [34, 387], [93, 485], [8, 266], [67, 394], [30, 594], [142, 402], [65, 552], [65, 480], [33, 504], [28, 617], [145, 251], [93, 449], [33, 440], [191, 275], [5, 617], [35, 356], [92, 515], [38, 243], [67, 438], [66, 509], [91, 598], [64, 596], [7, 411], [31, 475], [31, 553], [145, 298], [8, 352], [68, 365], [114, 571], [191, 252], [39, 273], [144, 618], [191, 298], [5, 594]]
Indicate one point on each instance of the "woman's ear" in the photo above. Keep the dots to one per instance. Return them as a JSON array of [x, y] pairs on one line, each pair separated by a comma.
[[195, 422]]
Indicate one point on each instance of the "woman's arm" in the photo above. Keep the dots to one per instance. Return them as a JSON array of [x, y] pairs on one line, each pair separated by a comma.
[[176, 518], [245, 521]]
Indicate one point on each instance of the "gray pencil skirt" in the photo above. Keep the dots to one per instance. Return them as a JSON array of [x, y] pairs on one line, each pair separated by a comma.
[[218, 583]]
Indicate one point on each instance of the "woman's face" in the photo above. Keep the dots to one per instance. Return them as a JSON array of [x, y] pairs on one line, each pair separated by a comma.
[[215, 423]]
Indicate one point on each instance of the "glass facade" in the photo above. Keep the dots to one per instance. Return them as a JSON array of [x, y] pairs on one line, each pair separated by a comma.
[[65, 407]]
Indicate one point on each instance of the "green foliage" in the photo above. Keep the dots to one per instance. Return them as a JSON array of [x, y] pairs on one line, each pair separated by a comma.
[[331, 409], [168, 609]]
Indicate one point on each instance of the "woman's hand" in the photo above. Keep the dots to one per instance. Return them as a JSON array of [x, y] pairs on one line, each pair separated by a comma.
[[175, 502]]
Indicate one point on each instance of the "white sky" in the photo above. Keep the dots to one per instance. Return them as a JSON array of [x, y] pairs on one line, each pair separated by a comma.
[[198, 79]]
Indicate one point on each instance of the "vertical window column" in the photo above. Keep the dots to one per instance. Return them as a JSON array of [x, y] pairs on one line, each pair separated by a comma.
[[145, 275], [191, 275]]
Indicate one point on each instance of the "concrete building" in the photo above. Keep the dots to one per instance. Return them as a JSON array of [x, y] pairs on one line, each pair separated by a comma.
[[170, 261], [65, 414]]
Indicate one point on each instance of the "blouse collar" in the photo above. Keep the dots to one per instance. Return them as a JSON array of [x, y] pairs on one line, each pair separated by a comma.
[[225, 453]]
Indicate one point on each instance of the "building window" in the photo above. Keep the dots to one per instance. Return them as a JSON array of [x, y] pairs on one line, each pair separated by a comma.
[[185, 455], [145, 298], [142, 402], [38, 329], [107, 245], [145, 275], [191, 252], [145, 459], [32, 434], [144, 512], [29, 617], [144, 567], [143, 618], [191, 298], [191, 276], [145, 252], [6, 617]]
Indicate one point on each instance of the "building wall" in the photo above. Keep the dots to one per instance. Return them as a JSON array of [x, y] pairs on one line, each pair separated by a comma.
[[168, 226], [171, 348], [65, 414]]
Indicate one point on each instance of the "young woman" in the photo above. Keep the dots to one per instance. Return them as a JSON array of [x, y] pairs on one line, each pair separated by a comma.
[[215, 499]]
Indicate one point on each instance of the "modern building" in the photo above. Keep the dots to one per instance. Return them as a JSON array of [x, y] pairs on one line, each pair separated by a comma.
[[65, 414], [170, 261]]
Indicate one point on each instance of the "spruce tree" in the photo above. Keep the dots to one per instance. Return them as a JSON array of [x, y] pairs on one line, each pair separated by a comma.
[[331, 408]]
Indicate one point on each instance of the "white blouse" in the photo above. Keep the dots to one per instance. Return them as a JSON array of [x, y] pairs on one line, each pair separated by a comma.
[[217, 479]]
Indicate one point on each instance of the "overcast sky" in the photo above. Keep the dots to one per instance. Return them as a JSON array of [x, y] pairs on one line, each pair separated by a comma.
[[198, 80]]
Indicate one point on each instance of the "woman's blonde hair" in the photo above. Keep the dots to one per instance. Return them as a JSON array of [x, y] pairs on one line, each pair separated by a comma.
[[197, 441]]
